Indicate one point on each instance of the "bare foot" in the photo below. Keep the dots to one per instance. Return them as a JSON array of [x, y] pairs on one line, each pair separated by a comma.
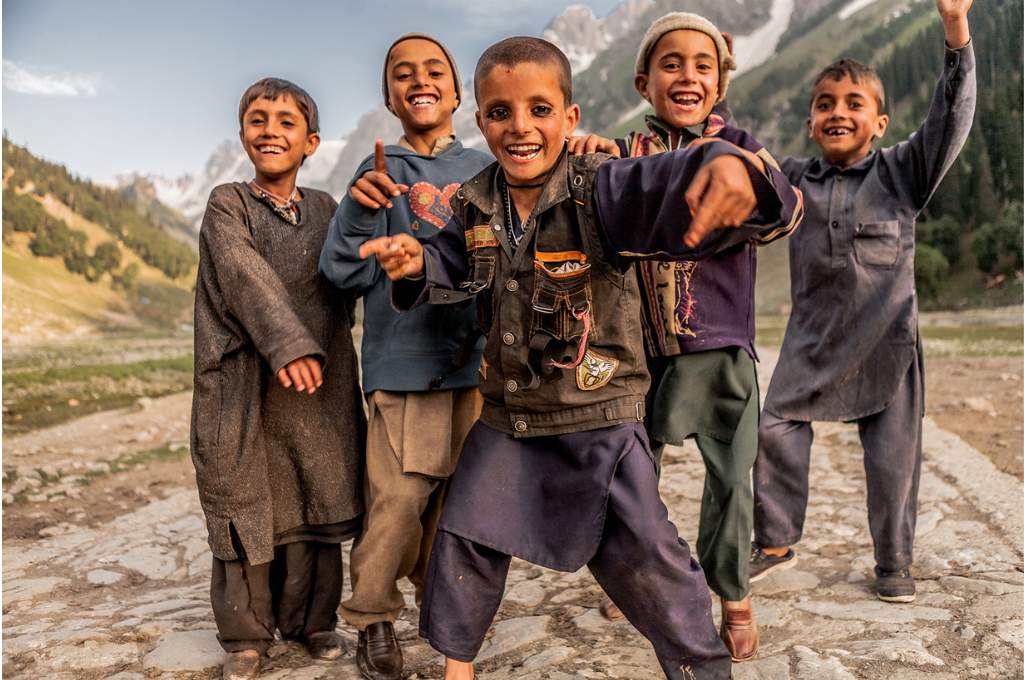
[[458, 670]]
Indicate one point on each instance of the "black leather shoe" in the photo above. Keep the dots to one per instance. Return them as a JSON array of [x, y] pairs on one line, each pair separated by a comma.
[[379, 656]]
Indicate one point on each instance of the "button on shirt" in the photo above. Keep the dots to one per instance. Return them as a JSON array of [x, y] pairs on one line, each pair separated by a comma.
[[853, 330]]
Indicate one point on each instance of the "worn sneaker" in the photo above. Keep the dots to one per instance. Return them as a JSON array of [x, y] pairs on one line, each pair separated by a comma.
[[895, 586], [762, 564]]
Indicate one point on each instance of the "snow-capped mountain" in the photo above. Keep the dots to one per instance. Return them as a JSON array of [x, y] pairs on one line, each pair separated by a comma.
[[582, 36]]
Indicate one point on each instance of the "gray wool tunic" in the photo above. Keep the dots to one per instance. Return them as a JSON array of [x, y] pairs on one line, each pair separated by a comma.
[[852, 334], [271, 463]]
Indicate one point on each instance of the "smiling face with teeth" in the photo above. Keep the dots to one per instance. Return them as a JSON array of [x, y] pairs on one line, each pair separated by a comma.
[[681, 82], [525, 119], [421, 89], [845, 119], [276, 137]]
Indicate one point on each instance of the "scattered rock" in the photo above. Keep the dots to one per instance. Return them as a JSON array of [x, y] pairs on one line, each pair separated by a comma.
[[26, 589], [811, 666], [151, 561], [997, 607], [549, 657], [978, 404], [966, 632], [192, 650], [786, 581], [92, 655], [771, 668], [592, 621], [514, 633], [874, 611], [1012, 632], [898, 650], [526, 593], [103, 577]]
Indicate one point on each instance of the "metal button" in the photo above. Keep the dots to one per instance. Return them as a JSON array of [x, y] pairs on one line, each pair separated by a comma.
[[520, 426], [497, 227], [839, 178], [511, 285], [835, 225], [508, 339], [512, 386]]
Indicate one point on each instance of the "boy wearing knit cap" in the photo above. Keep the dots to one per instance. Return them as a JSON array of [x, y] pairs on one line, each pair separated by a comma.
[[419, 369], [698, 317]]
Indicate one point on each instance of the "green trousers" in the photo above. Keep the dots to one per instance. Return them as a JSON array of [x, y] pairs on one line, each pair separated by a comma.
[[713, 397]]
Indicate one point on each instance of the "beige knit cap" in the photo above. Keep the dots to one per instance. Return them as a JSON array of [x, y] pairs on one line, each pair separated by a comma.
[[422, 36], [685, 21]]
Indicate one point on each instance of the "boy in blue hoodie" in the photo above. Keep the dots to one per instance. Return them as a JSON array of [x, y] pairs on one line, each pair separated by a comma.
[[420, 368]]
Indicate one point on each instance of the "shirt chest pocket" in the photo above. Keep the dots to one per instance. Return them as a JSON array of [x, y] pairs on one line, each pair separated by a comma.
[[877, 244]]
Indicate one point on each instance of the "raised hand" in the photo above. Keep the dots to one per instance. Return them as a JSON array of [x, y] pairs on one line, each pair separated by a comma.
[[720, 196], [581, 144], [954, 18], [400, 255], [953, 8], [375, 189], [304, 374]]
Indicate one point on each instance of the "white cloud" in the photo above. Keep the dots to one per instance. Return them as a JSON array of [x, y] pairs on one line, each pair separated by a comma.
[[20, 79]]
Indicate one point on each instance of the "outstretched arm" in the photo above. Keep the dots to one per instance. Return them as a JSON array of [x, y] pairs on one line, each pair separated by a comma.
[[413, 266], [689, 204]]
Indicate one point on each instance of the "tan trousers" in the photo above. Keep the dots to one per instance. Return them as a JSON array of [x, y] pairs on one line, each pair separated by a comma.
[[413, 443]]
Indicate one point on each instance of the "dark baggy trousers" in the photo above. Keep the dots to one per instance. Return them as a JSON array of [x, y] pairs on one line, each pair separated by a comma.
[[892, 466], [713, 397], [297, 593], [641, 563]]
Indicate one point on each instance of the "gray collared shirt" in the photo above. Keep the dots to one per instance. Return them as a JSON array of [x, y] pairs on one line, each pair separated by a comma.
[[852, 333]]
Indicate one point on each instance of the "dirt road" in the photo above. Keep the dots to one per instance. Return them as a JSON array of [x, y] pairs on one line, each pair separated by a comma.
[[105, 570]]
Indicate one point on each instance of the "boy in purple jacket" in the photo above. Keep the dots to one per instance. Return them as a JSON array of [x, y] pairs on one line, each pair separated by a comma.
[[698, 317]]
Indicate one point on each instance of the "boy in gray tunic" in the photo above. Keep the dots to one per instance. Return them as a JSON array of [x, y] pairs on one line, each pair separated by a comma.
[[277, 425], [851, 350]]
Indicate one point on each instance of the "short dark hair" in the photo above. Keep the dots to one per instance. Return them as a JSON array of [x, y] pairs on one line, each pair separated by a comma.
[[525, 50], [856, 72], [272, 88]]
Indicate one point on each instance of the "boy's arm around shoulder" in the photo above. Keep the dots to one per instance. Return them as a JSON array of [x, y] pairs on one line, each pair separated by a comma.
[[352, 226], [641, 211], [918, 164], [249, 288]]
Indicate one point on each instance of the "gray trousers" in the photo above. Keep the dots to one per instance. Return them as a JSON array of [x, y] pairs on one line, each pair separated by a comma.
[[297, 593], [892, 467], [641, 563]]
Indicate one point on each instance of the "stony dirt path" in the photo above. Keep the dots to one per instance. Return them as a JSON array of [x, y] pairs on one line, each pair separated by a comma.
[[126, 597]]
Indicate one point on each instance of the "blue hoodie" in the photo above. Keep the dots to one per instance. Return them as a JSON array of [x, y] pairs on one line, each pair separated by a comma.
[[433, 346]]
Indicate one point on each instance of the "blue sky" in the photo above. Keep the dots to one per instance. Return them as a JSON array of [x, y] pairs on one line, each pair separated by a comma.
[[108, 86]]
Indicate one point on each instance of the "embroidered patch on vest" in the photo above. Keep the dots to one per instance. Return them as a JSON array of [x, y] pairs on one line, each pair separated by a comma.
[[595, 371], [431, 204], [480, 236]]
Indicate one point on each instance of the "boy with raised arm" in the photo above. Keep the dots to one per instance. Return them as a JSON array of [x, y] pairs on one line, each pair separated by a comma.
[[852, 350]]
